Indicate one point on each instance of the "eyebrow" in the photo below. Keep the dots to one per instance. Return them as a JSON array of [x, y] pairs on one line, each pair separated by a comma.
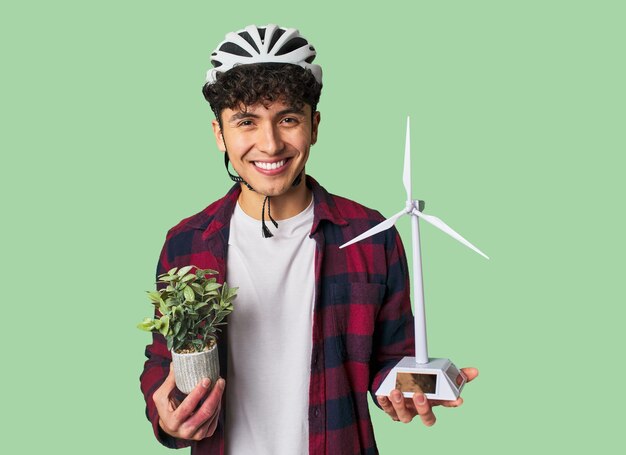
[[241, 115], [244, 114]]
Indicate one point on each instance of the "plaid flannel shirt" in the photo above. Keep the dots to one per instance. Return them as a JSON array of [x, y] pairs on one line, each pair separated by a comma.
[[362, 321]]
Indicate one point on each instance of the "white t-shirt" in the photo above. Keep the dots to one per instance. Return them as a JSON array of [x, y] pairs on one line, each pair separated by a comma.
[[269, 335]]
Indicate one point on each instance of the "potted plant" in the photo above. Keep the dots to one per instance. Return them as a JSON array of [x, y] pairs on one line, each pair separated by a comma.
[[192, 306]]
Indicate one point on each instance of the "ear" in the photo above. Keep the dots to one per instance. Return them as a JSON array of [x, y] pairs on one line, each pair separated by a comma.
[[219, 137], [314, 127]]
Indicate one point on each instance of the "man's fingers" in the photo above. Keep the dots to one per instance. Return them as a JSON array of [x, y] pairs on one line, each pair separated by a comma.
[[201, 433], [162, 394], [384, 403], [404, 414], [470, 373], [452, 404], [208, 428], [447, 403], [423, 408], [189, 404], [214, 423], [208, 409], [405, 410]]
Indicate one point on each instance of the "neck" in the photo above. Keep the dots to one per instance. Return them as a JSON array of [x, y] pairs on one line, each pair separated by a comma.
[[284, 206]]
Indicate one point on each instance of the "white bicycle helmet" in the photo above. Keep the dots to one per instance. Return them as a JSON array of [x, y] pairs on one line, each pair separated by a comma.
[[268, 44]]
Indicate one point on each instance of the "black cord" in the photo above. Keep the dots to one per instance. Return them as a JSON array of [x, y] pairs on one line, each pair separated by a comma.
[[264, 230]]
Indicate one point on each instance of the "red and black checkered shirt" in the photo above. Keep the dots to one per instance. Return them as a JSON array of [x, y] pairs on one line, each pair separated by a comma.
[[362, 321]]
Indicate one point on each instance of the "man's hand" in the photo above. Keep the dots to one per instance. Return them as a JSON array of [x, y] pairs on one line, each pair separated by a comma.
[[404, 409], [185, 419]]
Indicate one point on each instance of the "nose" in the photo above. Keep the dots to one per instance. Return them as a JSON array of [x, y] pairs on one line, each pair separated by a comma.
[[270, 140]]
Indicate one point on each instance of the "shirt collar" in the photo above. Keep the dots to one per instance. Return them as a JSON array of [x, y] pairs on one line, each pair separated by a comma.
[[324, 208]]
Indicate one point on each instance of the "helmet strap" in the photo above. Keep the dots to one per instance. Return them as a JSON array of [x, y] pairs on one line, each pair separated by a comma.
[[233, 177], [236, 178]]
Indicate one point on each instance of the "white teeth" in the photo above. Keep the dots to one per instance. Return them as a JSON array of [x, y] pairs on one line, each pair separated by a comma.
[[269, 166]]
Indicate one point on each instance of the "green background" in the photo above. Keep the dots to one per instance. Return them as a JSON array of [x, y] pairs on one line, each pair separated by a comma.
[[517, 113]]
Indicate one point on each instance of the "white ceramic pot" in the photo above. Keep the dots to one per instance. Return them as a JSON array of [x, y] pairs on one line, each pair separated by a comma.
[[190, 369]]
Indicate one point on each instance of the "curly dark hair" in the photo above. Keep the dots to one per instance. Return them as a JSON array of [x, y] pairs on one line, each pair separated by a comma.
[[246, 85]]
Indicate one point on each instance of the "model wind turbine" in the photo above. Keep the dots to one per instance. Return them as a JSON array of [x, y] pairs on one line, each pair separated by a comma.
[[437, 378]]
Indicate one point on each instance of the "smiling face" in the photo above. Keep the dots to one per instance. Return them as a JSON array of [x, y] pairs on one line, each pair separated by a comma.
[[268, 145]]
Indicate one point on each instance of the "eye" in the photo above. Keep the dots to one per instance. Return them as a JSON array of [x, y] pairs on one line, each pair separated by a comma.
[[245, 123], [290, 120]]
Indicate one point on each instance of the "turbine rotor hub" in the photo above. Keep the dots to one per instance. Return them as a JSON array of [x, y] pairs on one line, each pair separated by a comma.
[[415, 204]]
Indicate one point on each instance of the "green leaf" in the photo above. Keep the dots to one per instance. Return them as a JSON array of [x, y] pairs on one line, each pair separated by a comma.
[[189, 294], [209, 272], [155, 296], [165, 325], [170, 343], [177, 326], [232, 292], [182, 333], [147, 324], [172, 271], [211, 286], [183, 271], [188, 278], [198, 288], [198, 344]]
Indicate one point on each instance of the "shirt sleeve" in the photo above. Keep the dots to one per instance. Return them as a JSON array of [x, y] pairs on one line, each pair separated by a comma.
[[394, 336], [155, 370]]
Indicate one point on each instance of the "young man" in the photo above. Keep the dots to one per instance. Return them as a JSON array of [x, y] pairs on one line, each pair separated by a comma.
[[314, 327]]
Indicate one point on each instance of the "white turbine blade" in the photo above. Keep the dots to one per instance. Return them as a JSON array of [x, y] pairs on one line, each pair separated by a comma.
[[438, 223], [384, 225], [406, 175]]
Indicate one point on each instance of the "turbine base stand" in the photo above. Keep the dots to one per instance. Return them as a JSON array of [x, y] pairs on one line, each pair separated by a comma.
[[439, 379]]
